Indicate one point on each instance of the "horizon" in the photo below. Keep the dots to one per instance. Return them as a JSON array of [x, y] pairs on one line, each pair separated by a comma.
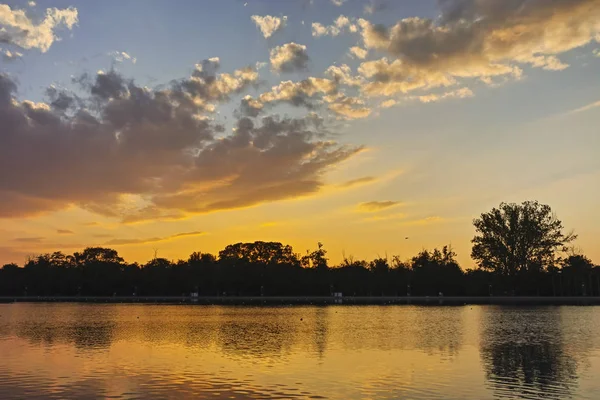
[[189, 127]]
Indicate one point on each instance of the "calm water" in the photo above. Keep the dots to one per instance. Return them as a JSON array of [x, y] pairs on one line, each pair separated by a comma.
[[339, 352]]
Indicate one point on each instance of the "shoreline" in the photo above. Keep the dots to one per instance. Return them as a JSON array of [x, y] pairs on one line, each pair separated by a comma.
[[312, 300]]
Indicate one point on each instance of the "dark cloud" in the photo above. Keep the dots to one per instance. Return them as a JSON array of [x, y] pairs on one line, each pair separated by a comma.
[[133, 153], [280, 158], [64, 232], [289, 57], [250, 107], [60, 100]]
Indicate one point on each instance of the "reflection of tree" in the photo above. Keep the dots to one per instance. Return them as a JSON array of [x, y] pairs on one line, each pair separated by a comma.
[[83, 336], [84, 326], [439, 329], [524, 355], [321, 329], [92, 336], [258, 333]]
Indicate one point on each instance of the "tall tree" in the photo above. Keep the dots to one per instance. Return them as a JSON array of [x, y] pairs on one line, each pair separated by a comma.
[[259, 252], [316, 259], [515, 238]]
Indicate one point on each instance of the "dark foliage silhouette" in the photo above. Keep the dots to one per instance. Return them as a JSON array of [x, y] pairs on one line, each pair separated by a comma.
[[519, 242], [517, 248]]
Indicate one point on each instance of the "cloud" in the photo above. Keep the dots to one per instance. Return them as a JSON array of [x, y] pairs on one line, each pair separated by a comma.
[[312, 93], [386, 78], [389, 217], [374, 206], [357, 182], [121, 56], [358, 52], [269, 24], [250, 106], [37, 239], [349, 108], [425, 221], [587, 107], [18, 29], [476, 39], [343, 75], [388, 103], [91, 223], [64, 232], [341, 24], [455, 94], [102, 235], [597, 52], [125, 242], [338, 2], [31, 3], [375, 6], [299, 93], [289, 57], [8, 55], [274, 160], [132, 153]]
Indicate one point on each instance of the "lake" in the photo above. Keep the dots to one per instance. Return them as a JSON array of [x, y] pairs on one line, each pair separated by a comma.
[[70, 350]]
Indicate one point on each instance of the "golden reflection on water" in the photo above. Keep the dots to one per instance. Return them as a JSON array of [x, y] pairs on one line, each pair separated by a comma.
[[175, 351]]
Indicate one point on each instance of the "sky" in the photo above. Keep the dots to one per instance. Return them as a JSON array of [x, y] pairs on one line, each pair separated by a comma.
[[376, 127]]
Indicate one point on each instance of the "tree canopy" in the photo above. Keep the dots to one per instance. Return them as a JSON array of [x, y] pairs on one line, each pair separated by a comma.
[[516, 238]]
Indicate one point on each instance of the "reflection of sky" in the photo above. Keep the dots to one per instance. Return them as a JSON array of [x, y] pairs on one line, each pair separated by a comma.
[[335, 352], [457, 158]]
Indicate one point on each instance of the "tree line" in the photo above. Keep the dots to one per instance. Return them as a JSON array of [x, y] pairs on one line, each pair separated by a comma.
[[520, 249]]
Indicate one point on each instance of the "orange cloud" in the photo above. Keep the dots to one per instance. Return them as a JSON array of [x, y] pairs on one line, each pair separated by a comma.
[[357, 182], [375, 206]]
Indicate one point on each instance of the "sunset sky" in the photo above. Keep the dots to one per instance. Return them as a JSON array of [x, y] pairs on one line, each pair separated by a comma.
[[375, 127]]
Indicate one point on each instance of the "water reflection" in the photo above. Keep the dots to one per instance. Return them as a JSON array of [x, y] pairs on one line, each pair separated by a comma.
[[349, 352], [524, 352], [261, 333], [321, 324], [441, 331]]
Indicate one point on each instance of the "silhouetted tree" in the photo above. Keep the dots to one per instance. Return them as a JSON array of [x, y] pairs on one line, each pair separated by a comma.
[[271, 268], [436, 272], [99, 271], [518, 239], [11, 280], [578, 275], [315, 259], [318, 271], [259, 252]]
